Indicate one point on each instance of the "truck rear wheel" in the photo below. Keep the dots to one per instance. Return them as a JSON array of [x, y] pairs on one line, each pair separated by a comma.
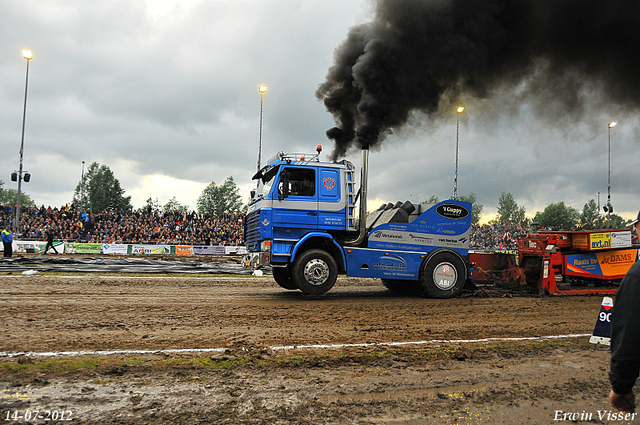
[[442, 276], [282, 276], [315, 272]]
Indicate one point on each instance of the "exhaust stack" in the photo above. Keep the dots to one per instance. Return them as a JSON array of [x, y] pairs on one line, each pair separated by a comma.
[[362, 223]]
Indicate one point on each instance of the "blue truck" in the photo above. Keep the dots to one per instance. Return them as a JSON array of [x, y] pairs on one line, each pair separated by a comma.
[[302, 222]]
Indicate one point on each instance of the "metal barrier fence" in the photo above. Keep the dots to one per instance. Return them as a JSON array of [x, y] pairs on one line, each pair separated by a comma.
[[35, 247]]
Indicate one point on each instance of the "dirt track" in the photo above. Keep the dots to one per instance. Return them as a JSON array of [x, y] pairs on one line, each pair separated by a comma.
[[251, 382]]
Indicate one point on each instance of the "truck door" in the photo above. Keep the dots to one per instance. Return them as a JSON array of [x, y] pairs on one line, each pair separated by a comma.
[[295, 207], [332, 214]]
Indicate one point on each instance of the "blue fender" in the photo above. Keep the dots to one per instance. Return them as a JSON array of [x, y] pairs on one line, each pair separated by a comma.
[[317, 235]]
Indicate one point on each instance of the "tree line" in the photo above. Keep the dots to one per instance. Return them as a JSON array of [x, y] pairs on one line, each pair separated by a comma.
[[555, 216], [100, 190]]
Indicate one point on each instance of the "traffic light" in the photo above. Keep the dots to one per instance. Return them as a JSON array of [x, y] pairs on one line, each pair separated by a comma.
[[27, 177], [14, 177]]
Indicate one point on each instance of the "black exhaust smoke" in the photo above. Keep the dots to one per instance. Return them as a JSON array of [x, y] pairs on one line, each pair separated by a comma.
[[417, 55]]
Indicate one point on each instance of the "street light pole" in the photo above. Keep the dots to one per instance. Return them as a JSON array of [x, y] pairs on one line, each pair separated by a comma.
[[28, 55], [599, 221], [262, 88], [609, 208], [82, 188], [455, 180]]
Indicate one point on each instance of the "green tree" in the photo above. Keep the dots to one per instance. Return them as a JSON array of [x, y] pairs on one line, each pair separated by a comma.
[[101, 191], [432, 200], [590, 215], [476, 209], [174, 207], [151, 206], [218, 200], [10, 197], [509, 212], [521, 218], [617, 222], [558, 216]]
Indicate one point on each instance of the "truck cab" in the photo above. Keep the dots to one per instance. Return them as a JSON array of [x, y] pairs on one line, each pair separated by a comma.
[[301, 221]]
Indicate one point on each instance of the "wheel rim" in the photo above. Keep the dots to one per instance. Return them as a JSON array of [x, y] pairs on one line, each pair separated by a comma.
[[445, 276], [316, 272]]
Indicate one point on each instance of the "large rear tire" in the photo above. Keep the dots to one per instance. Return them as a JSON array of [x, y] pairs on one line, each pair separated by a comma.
[[442, 276], [282, 276], [315, 272]]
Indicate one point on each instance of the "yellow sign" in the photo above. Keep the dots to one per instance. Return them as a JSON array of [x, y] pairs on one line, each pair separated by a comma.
[[600, 240], [592, 241]]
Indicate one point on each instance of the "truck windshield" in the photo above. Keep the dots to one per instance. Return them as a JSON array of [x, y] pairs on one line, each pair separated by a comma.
[[266, 181]]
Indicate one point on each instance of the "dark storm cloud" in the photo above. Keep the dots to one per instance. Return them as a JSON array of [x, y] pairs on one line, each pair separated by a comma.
[[420, 54]]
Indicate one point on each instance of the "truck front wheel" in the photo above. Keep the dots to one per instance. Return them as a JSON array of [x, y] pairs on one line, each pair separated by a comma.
[[315, 272], [442, 276], [282, 276]]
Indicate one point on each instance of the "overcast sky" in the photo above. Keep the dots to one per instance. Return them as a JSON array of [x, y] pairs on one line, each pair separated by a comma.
[[165, 93]]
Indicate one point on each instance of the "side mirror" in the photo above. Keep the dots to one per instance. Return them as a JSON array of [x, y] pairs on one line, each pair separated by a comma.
[[283, 187]]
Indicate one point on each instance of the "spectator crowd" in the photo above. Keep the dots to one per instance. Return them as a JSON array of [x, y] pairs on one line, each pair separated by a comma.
[[113, 226], [496, 237], [146, 227]]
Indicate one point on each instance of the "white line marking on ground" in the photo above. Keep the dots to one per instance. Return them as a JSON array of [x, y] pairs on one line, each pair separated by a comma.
[[435, 341], [282, 347]]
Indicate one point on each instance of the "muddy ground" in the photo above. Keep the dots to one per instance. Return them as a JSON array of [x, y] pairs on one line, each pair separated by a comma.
[[275, 355]]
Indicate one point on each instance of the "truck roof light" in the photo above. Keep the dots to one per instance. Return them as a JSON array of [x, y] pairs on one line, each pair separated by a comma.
[[319, 148]]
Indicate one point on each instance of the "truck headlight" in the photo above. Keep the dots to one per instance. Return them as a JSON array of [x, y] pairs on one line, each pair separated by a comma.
[[265, 246]]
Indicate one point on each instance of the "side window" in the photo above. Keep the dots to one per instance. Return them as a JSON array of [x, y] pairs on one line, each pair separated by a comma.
[[302, 181]]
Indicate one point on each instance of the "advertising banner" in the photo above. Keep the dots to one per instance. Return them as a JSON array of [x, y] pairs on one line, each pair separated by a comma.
[[83, 248], [603, 265], [580, 240], [240, 250], [150, 249], [59, 248], [184, 250], [621, 239], [30, 246], [119, 249], [602, 240], [209, 250]]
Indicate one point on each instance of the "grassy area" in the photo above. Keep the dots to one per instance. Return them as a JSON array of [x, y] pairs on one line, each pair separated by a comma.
[[309, 358]]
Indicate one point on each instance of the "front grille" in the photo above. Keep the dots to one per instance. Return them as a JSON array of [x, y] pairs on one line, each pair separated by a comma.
[[252, 230]]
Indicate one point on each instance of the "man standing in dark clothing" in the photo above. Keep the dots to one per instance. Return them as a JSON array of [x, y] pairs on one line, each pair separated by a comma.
[[625, 338], [50, 241]]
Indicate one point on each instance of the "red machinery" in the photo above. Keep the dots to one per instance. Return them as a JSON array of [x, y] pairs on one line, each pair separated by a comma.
[[563, 262]]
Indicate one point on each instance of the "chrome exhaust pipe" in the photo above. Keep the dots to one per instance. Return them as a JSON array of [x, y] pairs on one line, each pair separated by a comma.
[[362, 220]]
